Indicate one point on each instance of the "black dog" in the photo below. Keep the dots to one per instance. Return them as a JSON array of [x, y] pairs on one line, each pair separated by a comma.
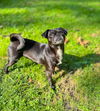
[[50, 55]]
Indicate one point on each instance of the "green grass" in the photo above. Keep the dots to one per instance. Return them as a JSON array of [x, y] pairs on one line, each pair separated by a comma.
[[78, 82]]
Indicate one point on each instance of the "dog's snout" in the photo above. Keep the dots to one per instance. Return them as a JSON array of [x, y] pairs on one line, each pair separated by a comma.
[[58, 40]]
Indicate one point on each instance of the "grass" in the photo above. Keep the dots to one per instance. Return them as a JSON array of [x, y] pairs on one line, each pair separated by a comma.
[[78, 81]]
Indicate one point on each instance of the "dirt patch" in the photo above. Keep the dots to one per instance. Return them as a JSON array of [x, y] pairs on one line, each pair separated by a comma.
[[67, 89]]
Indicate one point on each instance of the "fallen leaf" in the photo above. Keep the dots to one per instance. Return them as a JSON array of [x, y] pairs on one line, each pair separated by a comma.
[[95, 34], [5, 57], [30, 80], [66, 41], [82, 42]]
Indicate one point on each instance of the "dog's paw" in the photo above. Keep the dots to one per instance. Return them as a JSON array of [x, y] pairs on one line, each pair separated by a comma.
[[53, 87], [6, 71]]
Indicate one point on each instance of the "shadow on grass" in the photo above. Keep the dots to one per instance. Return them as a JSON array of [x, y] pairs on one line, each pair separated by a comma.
[[72, 63]]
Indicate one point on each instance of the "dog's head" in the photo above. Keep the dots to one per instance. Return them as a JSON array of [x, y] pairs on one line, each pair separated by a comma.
[[55, 36]]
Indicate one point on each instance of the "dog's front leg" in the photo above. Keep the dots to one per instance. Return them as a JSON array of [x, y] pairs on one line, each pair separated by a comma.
[[49, 74]]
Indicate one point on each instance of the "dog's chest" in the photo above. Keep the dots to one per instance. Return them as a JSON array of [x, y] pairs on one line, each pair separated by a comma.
[[59, 55]]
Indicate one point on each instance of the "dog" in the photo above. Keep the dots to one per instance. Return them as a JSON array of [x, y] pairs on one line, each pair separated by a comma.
[[50, 55]]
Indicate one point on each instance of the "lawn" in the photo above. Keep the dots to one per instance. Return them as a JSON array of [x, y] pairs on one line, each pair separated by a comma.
[[26, 88]]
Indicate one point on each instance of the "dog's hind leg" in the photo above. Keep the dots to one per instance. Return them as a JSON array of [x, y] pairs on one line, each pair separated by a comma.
[[10, 63], [13, 57]]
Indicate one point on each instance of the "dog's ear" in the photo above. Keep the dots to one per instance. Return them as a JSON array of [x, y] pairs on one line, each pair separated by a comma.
[[45, 34], [63, 30]]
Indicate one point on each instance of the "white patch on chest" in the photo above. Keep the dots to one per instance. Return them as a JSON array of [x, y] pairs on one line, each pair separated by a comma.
[[59, 55]]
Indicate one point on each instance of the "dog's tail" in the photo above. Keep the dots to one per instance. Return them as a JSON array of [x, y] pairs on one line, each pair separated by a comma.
[[17, 37]]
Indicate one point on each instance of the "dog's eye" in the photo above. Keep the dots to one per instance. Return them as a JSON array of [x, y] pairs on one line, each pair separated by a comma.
[[61, 33]]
